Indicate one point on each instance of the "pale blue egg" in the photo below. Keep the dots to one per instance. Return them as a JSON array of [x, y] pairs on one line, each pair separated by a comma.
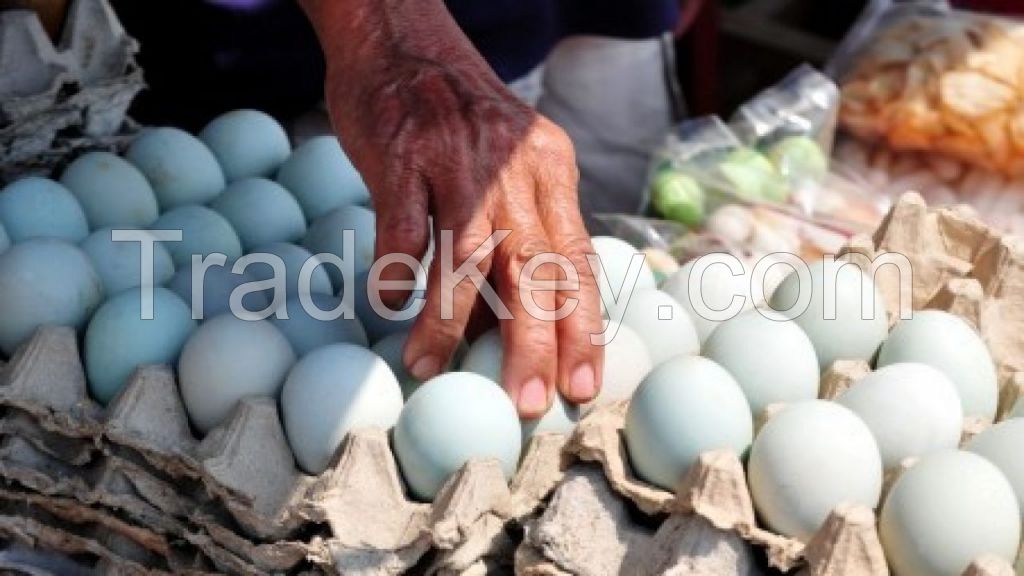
[[948, 343], [247, 143], [261, 212], [485, 357], [306, 333], [218, 284], [45, 282], [5, 240], [948, 509], [322, 178], [327, 235], [112, 192], [451, 419], [379, 325], [331, 391], [36, 207], [227, 359], [770, 357], [686, 405], [615, 256], [179, 167], [203, 232], [293, 257], [849, 332], [809, 458], [119, 263], [560, 418], [1001, 445], [391, 347], [119, 339]]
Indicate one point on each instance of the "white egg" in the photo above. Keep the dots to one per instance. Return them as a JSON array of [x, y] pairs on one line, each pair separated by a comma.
[[662, 324], [119, 263], [293, 258], [228, 359], [949, 508], [261, 211], [626, 363], [330, 392], [44, 282], [247, 143], [327, 235], [449, 420], [119, 339], [685, 406], [717, 287], [322, 178], [218, 283], [485, 356], [179, 167], [112, 192], [307, 333], [1001, 445], [808, 459], [36, 207], [945, 341], [770, 357], [849, 332], [615, 258], [912, 410], [203, 232]]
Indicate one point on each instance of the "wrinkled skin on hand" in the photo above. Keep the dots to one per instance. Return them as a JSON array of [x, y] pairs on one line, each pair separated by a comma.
[[434, 131]]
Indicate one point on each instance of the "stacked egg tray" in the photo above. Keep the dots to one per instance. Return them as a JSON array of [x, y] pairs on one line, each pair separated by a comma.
[[56, 100], [128, 489]]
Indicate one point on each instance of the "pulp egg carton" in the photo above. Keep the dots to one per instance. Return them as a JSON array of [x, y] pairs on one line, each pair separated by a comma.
[[58, 99], [130, 489], [709, 526]]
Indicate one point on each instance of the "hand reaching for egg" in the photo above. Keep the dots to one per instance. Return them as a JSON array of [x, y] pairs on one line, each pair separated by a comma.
[[434, 131]]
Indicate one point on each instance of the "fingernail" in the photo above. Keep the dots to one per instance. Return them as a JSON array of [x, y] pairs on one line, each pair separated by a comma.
[[426, 368], [581, 385], [533, 397]]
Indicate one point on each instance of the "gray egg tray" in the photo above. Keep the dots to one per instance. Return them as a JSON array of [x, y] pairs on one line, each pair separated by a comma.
[[129, 489], [58, 100]]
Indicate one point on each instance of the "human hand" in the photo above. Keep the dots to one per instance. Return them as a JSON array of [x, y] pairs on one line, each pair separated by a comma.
[[433, 131]]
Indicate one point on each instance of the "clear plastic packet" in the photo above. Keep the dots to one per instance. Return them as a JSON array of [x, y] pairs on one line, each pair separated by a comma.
[[879, 15], [701, 166], [922, 76], [792, 123]]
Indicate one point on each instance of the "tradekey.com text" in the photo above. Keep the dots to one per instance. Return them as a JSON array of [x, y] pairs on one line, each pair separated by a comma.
[[751, 285]]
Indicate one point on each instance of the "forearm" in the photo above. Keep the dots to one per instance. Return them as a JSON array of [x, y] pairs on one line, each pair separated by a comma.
[[359, 35]]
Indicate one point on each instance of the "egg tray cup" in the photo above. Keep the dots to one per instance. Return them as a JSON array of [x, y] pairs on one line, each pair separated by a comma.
[[130, 489], [57, 100]]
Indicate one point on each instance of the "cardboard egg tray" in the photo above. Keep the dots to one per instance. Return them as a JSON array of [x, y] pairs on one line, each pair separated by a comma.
[[58, 99], [129, 488]]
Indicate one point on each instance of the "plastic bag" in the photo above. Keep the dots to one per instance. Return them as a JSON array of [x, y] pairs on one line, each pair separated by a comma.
[[786, 118], [922, 76], [879, 15]]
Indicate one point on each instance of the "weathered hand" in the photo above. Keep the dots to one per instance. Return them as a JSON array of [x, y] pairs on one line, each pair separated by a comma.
[[434, 131]]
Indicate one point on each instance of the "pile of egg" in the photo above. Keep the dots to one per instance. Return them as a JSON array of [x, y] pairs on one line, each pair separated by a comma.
[[71, 254], [693, 384]]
